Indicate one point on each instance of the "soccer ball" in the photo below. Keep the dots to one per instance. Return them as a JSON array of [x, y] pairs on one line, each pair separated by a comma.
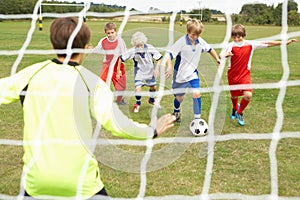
[[198, 127]]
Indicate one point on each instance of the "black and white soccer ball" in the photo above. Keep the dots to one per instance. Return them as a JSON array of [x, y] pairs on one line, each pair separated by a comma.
[[199, 127]]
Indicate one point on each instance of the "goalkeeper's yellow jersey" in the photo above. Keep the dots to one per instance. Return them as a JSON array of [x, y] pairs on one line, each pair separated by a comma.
[[58, 108]]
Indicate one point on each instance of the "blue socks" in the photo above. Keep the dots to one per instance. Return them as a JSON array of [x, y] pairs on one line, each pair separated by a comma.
[[197, 105]]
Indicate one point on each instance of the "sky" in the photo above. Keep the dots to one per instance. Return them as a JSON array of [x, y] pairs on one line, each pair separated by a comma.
[[225, 6]]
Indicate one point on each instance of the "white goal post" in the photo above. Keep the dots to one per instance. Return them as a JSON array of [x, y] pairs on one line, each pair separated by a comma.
[[200, 14]]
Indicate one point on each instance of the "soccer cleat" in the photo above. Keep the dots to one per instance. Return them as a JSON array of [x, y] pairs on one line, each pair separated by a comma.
[[136, 108], [151, 102], [177, 115], [232, 116], [122, 102], [154, 103], [240, 118]]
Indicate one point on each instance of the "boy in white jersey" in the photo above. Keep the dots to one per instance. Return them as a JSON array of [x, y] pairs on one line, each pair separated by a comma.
[[60, 97], [240, 52], [144, 70], [187, 51]]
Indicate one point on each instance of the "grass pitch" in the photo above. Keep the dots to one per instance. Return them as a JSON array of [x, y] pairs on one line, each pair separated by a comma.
[[240, 166]]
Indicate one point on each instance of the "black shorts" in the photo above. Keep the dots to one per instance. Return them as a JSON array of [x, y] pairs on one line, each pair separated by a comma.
[[101, 192]]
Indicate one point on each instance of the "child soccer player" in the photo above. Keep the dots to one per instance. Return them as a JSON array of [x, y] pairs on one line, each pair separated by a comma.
[[240, 52], [144, 71], [60, 97], [113, 69], [187, 51]]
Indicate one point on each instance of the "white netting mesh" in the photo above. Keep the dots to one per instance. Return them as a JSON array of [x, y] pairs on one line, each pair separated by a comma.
[[153, 159]]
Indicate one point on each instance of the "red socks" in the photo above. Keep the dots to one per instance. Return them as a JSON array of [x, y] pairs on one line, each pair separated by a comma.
[[243, 105], [235, 103], [119, 98]]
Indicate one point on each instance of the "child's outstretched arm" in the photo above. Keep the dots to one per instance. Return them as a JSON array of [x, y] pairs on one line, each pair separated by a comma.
[[214, 54], [277, 43]]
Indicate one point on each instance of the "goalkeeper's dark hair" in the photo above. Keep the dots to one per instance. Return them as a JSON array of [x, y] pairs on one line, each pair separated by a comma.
[[62, 28]]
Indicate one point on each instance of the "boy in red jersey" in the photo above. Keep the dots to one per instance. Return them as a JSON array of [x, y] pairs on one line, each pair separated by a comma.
[[116, 46], [240, 52]]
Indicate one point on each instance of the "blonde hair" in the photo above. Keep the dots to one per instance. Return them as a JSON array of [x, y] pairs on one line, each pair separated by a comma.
[[238, 30], [194, 26], [138, 38]]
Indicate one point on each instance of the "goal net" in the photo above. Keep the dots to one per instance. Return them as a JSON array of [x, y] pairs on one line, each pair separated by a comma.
[[178, 165]]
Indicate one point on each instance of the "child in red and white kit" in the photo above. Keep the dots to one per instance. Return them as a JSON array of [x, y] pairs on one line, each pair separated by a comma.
[[117, 46], [240, 52]]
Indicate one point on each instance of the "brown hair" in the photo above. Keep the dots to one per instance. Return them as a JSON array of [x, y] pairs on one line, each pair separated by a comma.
[[61, 30], [194, 26], [238, 30], [110, 26]]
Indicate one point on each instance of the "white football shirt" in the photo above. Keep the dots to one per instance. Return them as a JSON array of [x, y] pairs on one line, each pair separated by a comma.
[[187, 58]]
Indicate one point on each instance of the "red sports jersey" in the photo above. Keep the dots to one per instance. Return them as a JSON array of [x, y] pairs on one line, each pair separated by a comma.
[[240, 63], [116, 48], [111, 45]]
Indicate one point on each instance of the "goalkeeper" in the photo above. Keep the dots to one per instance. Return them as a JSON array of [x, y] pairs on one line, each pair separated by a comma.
[[60, 97]]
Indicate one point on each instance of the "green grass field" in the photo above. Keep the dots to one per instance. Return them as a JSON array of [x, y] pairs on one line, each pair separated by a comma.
[[240, 166]]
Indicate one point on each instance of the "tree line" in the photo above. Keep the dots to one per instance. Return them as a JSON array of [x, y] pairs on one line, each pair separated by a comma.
[[27, 6], [263, 14], [258, 14]]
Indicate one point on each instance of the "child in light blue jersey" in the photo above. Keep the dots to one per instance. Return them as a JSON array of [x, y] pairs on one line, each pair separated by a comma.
[[145, 72], [187, 51]]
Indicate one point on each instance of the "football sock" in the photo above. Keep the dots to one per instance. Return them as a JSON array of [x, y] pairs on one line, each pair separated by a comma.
[[235, 103], [138, 99], [243, 105], [119, 98], [197, 105], [176, 105], [197, 116], [152, 95]]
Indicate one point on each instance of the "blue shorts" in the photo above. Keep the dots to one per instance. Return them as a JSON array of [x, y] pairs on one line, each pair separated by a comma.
[[194, 84], [148, 82]]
